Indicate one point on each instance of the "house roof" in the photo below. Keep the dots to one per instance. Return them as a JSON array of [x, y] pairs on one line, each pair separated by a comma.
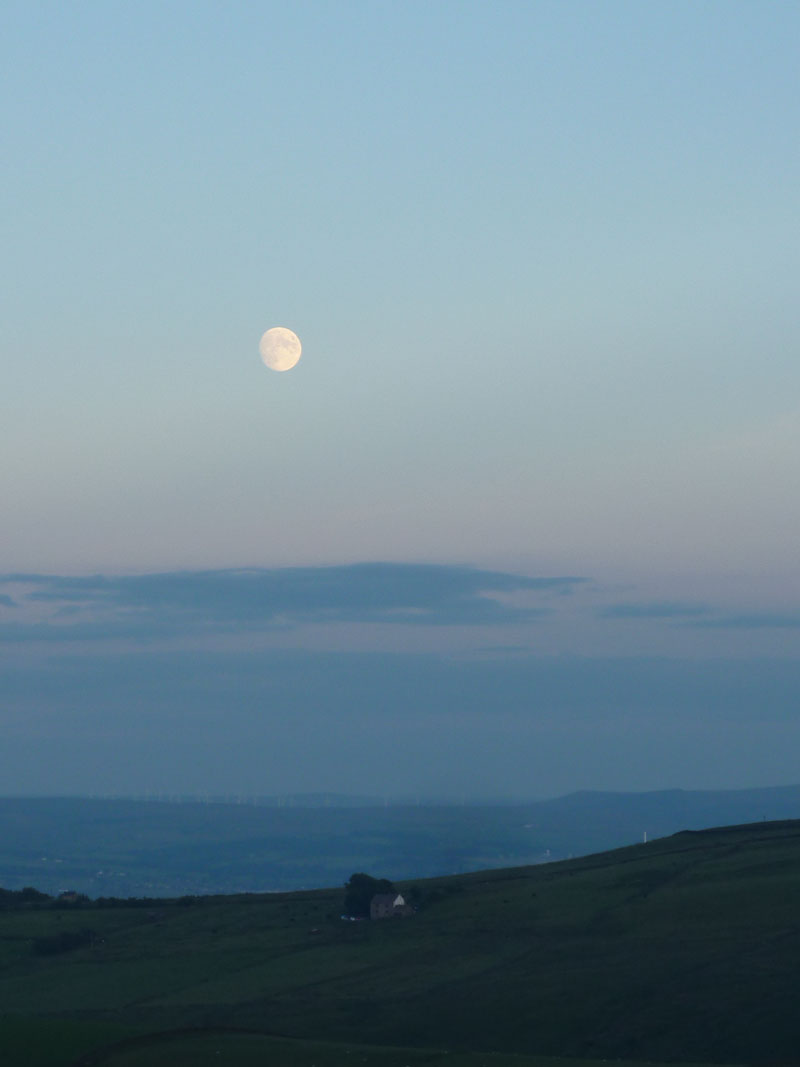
[[393, 900]]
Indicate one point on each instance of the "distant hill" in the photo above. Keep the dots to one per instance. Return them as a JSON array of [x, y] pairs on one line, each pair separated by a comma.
[[682, 950], [134, 848], [590, 819]]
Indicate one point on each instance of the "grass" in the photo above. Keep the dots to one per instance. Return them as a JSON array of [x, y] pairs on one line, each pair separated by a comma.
[[53, 1042], [681, 950], [213, 1048]]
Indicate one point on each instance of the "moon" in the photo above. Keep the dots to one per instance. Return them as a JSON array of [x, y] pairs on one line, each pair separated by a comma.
[[280, 348]]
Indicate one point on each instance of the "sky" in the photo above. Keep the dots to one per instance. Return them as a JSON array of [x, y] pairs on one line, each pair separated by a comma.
[[522, 520]]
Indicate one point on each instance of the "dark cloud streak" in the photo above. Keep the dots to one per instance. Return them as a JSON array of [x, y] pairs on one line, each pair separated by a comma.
[[751, 621], [653, 610], [154, 605]]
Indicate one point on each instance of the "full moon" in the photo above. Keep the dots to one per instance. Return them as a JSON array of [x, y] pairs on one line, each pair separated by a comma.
[[280, 348]]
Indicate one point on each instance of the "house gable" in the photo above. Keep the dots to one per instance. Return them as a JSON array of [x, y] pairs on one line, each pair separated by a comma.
[[389, 906]]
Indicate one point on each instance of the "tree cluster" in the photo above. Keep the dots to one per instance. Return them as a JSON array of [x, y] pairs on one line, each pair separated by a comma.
[[359, 891], [12, 898]]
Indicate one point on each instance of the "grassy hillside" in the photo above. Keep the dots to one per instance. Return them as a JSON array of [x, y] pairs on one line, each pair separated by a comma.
[[44, 1043], [684, 949]]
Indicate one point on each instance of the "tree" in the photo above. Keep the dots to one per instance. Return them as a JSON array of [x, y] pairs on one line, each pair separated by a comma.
[[359, 891]]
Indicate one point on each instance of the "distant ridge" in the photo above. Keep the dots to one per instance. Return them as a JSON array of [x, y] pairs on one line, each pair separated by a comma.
[[290, 800]]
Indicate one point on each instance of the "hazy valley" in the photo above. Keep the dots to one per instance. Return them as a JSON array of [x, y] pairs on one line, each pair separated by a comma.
[[127, 848]]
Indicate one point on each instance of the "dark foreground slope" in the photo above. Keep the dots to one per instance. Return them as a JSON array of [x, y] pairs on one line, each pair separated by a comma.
[[685, 949]]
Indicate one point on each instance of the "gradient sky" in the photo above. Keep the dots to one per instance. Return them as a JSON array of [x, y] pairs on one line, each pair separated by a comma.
[[523, 519]]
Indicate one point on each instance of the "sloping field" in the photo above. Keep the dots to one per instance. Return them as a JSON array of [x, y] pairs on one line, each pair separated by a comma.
[[685, 949], [252, 1050], [58, 1043]]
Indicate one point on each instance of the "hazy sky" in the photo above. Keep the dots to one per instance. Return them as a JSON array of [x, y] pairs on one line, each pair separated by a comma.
[[525, 516]]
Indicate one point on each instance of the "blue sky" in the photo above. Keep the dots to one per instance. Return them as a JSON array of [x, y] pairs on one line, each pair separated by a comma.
[[542, 258]]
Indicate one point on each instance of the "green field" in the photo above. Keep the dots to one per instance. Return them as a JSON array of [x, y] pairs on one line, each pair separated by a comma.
[[48, 1043], [682, 950]]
